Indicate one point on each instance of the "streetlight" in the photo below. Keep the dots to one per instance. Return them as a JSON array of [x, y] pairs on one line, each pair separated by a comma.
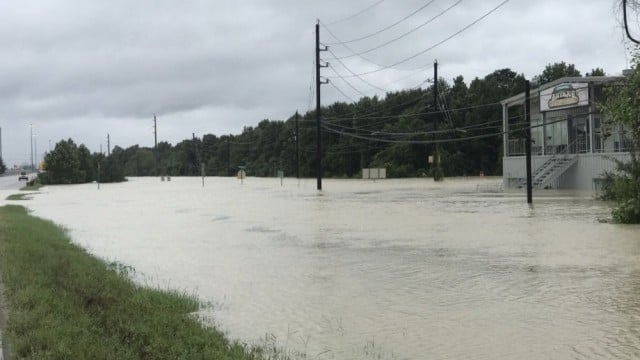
[[31, 146], [35, 150]]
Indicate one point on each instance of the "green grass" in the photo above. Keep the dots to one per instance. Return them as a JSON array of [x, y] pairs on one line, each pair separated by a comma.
[[33, 187], [66, 304], [19, 197]]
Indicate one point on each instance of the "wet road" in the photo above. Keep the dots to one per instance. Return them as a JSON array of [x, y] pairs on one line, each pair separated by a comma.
[[10, 182]]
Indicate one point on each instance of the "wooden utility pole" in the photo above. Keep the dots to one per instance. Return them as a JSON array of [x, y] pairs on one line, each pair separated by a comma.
[[319, 82], [108, 145], [297, 147], [229, 155], [437, 173], [155, 144], [155, 133], [31, 144], [527, 110]]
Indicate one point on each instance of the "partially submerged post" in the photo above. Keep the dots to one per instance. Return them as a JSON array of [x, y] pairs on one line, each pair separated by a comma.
[[202, 171], [527, 119], [241, 174]]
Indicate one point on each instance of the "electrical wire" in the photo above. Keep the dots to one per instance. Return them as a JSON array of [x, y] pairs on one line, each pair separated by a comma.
[[454, 130], [311, 83], [626, 24], [341, 92], [385, 28], [354, 74], [415, 114], [347, 47], [413, 71], [463, 29], [434, 141], [346, 81], [357, 13], [419, 96], [439, 141], [474, 127], [404, 34]]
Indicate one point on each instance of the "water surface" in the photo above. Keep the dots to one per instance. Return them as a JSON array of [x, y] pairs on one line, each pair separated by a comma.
[[396, 269]]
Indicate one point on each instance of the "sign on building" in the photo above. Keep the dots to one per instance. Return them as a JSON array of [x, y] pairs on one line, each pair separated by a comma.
[[563, 96]]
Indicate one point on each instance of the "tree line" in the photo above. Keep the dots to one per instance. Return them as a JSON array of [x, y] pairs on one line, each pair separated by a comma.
[[397, 132]]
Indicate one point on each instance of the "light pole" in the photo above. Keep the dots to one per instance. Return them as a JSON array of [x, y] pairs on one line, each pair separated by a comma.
[[35, 150], [31, 145]]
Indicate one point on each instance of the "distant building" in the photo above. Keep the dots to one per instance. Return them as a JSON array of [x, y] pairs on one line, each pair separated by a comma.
[[571, 145]]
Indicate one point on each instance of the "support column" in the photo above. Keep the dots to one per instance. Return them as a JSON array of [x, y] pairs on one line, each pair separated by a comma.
[[505, 129]]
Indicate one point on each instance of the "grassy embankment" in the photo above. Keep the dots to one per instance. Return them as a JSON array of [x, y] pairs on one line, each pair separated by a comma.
[[31, 186], [35, 186], [67, 304]]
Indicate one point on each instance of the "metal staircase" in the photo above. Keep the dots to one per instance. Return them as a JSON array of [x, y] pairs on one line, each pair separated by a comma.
[[551, 169]]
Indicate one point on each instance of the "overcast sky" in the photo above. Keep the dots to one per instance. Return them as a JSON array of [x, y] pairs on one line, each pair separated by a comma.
[[82, 69]]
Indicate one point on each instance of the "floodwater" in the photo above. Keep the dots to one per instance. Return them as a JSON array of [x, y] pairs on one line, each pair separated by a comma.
[[393, 269]]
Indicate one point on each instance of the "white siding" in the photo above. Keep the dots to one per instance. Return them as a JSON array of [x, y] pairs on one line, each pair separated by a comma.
[[579, 176]]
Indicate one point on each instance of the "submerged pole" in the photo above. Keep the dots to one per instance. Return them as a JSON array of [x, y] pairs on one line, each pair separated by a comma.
[[527, 110]]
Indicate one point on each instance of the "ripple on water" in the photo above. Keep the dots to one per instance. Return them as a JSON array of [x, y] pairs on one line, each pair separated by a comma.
[[395, 269]]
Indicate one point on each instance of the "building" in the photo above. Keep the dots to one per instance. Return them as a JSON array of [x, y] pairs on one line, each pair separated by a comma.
[[571, 144]]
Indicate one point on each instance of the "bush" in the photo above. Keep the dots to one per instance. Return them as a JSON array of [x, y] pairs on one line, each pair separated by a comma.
[[623, 187], [627, 212]]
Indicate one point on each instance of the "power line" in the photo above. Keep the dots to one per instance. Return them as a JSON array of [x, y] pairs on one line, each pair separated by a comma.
[[405, 34], [437, 141], [626, 24], [385, 28], [341, 92], [346, 46], [474, 127], [357, 13], [410, 115], [346, 81], [354, 74], [413, 71], [311, 83], [354, 112], [437, 44]]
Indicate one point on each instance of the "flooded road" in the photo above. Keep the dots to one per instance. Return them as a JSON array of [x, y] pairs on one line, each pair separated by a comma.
[[396, 269]]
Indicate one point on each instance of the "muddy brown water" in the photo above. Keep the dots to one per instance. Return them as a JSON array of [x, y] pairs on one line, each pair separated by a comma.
[[396, 269]]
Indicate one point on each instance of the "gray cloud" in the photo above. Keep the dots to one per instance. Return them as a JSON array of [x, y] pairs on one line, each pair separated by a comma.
[[82, 69]]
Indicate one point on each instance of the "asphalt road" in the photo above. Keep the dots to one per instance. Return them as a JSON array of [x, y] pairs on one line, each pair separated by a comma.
[[10, 182]]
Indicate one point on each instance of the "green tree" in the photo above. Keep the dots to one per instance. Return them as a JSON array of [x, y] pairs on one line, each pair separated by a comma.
[[87, 168], [3, 167], [63, 164], [622, 105], [111, 170], [596, 72], [69, 163], [142, 163], [556, 71]]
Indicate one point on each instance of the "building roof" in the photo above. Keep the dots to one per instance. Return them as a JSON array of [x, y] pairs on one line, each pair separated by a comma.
[[519, 99]]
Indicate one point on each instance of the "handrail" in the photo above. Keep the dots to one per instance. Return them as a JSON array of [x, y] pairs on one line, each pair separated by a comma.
[[540, 169]]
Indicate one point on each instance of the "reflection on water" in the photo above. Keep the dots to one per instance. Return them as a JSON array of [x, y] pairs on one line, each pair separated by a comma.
[[393, 269]]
